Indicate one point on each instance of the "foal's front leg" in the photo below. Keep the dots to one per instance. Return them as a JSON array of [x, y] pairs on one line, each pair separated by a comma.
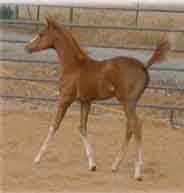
[[85, 107], [62, 107]]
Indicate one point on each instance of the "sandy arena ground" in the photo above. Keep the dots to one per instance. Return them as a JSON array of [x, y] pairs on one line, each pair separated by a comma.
[[64, 167]]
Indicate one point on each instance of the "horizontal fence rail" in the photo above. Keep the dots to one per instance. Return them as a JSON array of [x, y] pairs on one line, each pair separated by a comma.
[[46, 98], [125, 47], [127, 28], [52, 80], [135, 5], [6, 59]]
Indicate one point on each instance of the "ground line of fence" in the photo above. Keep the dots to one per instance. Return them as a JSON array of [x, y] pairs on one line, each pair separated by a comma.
[[161, 107]]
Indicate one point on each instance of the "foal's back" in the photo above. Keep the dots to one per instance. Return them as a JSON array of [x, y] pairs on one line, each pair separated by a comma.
[[104, 79]]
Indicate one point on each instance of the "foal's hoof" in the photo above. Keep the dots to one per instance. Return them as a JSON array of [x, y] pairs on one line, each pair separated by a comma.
[[114, 168], [139, 178], [92, 168], [36, 160]]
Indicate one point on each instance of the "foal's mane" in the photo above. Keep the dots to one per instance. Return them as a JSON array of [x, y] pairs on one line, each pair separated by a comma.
[[61, 29]]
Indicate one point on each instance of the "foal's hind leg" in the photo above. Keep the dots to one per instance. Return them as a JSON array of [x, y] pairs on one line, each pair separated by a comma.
[[138, 150], [128, 135], [124, 149], [133, 127], [62, 107], [136, 127], [85, 107]]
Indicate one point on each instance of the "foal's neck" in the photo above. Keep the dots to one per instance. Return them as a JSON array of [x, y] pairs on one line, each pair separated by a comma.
[[69, 53]]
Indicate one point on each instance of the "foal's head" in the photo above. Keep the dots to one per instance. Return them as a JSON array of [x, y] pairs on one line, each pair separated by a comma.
[[43, 40]]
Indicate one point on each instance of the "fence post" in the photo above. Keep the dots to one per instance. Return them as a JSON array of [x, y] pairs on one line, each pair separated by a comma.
[[38, 17], [137, 14], [16, 12], [71, 15]]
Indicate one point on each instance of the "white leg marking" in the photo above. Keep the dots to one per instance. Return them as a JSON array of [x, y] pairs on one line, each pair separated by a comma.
[[119, 158], [122, 152], [117, 162], [89, 153], [139, 164], [44, 146]]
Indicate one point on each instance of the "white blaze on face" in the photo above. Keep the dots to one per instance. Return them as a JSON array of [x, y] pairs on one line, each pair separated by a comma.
[[31, 41]]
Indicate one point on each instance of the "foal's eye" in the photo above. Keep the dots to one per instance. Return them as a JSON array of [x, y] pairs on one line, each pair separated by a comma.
[[41, 34]]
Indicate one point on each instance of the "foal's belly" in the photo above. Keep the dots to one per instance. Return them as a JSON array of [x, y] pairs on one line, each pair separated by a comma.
[[98, 91]]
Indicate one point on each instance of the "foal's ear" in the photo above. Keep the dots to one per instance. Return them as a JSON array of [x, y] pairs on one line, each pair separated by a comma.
[[48, 22]]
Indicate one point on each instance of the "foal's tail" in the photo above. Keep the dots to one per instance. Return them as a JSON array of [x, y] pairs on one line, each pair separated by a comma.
[[160, 53]]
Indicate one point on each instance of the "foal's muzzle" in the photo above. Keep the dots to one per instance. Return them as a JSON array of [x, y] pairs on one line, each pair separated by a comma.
[[28, 50]]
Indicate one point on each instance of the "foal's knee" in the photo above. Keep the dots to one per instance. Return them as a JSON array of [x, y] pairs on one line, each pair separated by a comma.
[[137, 129], [82, 131]]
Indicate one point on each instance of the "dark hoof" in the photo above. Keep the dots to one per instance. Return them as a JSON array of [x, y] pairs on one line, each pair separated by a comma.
[[114, 170], [139, 179], [93, 168]]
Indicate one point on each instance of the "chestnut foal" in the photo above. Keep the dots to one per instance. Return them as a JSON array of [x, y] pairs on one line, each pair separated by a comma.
[[85, 79]]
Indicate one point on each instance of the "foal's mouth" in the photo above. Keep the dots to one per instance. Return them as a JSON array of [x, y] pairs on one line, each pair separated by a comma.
[[28, 50]]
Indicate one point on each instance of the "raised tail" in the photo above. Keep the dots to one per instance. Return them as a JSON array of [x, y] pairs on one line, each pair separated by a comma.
[[160, 52]]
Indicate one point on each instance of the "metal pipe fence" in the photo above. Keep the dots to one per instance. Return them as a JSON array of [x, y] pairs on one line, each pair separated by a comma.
[[129, 5], [171, 109]]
